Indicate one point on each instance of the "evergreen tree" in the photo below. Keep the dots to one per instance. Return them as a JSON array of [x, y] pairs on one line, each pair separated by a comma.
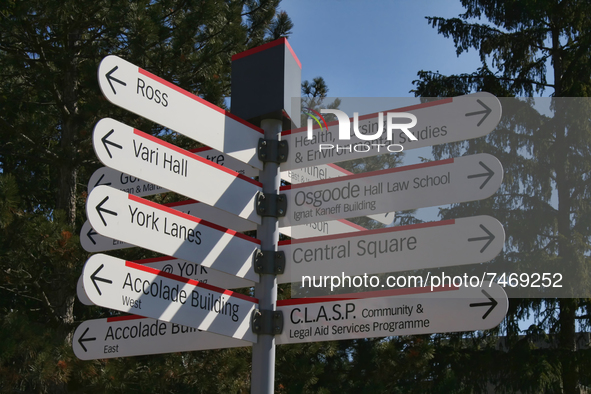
[[526, 48], [49, 55]]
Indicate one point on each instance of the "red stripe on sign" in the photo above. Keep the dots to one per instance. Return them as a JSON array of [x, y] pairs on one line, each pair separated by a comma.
[[266, 46], [192, 218], [351, 224], [202, 149], [154, 260], [192, 282], [369, 294], [369, 232], [195, 157], [199, 99], [346, 172], [369, 174], [376, 114], [181, 203], [124, 318]]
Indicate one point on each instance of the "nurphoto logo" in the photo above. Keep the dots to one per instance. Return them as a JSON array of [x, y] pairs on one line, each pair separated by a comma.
[[367, 136]]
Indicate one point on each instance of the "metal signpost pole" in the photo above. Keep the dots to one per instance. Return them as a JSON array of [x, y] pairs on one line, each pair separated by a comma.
[[263, 352]]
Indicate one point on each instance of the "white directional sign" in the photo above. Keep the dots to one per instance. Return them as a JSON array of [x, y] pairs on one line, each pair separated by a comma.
[[126, 336], [466, 178], [130, 184], [93, 242], [411, 311], [183, 268], [438, 122], [139, 154], [129, 287], [81, 293], [428, 245], [153, 98], [327, 171], [195, 271], [140, 222]]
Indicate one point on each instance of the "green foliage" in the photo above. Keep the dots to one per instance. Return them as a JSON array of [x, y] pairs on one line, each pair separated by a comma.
[[50, 100], [526, 48]]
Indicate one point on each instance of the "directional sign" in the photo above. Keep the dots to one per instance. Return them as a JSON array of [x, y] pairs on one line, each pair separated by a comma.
[[466, 178], [411, 311], [140, 222], [153, 98], [438, 122], [93, 242], [327, 171], [129, 287], [139, 154], [195, 271], [428, 245], [183, 268], [126, 336], [81, 293]]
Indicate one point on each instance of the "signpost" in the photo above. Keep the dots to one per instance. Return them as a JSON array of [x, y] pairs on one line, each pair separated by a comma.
[[178, 308], [438, 122], [386, 313], [126, 336], [428, 245], [139, 154], [466, 178], [161, 229], [153, 98], [129, 287]]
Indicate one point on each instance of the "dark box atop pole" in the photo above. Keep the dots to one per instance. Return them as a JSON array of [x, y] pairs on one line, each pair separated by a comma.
[[265, 80]]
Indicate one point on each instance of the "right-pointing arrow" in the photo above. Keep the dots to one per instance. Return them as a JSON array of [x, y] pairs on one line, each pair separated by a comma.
[[490, 237], [95, 279], [489, 174], [487, 110], [107, 142], [100, 210], [82, 339], [493, 303], [111, 79]]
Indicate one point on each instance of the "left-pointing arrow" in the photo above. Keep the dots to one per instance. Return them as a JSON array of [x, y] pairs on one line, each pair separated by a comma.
[[493, 303], [111, 79], [95, 279], [82, 339], [98, 183], [107, 142], [91, 233], [100, 210]]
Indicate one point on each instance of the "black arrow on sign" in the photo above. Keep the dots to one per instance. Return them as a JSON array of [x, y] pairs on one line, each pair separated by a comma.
[[107, 142], [100, 209], [82, 339], [486, 112], [95, 279], [90, 233], [489, 174], [98, 183], [493, 303], [111, 78], [490, 238]]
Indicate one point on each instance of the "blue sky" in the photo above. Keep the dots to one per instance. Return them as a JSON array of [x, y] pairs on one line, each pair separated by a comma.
[[373, 48]]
